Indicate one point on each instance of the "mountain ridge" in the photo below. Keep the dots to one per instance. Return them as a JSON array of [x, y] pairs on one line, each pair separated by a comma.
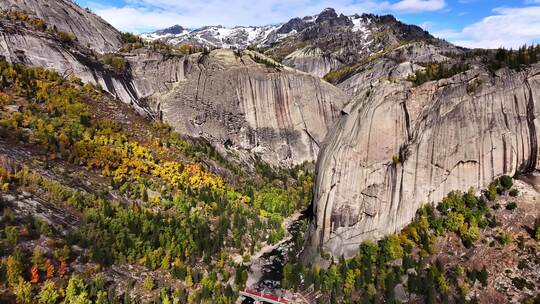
[[254, 39], [317, 44]]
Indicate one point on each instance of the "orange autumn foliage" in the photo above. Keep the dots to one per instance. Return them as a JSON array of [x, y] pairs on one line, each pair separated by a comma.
[[35, 275], [24, 232], [63, 268], [50, 268]]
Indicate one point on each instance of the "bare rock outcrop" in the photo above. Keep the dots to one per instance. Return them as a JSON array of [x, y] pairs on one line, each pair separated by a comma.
[[397, 147], [90, 29], [398, 63], [312, 61], [235, 102], [147, 72]]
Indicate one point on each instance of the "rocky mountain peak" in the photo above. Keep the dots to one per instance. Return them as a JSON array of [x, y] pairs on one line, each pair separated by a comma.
[[296, 24], [173, 30], [330, 16], [326, 15], [321, 29]]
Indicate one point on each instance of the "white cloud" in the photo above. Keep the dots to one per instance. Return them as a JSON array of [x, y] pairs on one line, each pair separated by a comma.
[[419, 5], [508, 27], [144, 15], [138, 20]]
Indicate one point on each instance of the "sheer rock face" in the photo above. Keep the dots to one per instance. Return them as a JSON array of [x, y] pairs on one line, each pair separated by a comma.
[[146, 73], [281, 114], [311, 60], [91, 30], [154, 72], [396, 148]]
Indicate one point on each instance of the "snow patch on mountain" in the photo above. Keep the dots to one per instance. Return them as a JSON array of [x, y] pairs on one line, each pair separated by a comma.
[[245, 36], [222, 37]]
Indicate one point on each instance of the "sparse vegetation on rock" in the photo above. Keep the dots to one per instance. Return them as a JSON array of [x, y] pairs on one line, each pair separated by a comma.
[[437, 71]]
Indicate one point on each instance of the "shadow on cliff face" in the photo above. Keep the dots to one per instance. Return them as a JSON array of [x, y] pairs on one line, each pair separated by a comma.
[[278, 135]]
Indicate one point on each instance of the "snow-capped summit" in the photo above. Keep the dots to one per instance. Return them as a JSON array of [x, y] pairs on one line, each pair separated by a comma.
[[221, 37], [174, 30], [258, 36], [167, 34]]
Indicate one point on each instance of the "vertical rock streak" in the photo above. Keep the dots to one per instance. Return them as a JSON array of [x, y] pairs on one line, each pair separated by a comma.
[[280, 114], [395, 151]]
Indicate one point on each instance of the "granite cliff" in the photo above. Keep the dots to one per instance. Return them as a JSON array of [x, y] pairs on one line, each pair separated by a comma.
[[397, 147], [243, 105], [91, 30]]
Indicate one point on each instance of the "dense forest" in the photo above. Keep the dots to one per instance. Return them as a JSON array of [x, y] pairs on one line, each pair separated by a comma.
[[513, 59]]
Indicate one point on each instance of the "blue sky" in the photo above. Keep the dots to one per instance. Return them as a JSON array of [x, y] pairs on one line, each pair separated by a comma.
[[470, 23]]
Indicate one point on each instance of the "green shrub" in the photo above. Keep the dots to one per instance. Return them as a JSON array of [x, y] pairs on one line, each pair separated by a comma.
[[17, 15], [511, 206], [117, 62], [492, 222], [131, 42], [148, 283], [189, 49], [130, 38], [23, 291], [521, 283], [491, 192], [505, 238], [454, 221], [48, 293], [341, 73], [66, 37], [506, 182], [267, 62], [12, 235], [482, 276], [514, 192], [522, 264], [159, 45], [515, 59], [437, 71]]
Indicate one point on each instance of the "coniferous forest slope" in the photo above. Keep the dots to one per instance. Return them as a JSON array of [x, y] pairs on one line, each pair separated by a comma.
[[150, 171]]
